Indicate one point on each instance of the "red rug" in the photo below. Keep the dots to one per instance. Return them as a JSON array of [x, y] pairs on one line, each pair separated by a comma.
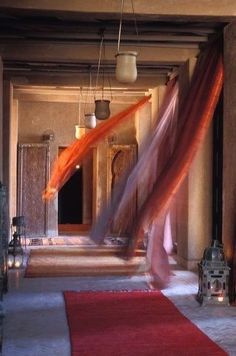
[[136, 323]]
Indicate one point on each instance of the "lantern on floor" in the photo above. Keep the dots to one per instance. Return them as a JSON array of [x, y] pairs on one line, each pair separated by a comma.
[[15, 257], [213, 276], [126, 67]]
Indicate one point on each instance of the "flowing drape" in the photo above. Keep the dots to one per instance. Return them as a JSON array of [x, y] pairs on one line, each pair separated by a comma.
[[145, 171], [194, 119], [169, 155], [66, 163]]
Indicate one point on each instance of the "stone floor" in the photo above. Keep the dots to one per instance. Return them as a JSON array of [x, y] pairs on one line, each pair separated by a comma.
[[35, 321]]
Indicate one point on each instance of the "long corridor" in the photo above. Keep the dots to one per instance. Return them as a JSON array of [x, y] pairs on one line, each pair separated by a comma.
[[35, 321]]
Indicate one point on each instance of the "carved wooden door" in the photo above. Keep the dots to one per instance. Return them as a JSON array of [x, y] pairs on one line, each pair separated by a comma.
[[122, 159], [33, 170]]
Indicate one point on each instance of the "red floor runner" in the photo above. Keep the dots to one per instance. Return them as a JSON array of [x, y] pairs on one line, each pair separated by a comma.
[[136, 323]]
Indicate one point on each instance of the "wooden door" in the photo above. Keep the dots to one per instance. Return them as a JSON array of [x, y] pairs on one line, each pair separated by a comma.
[[33, 171], [121, 160]]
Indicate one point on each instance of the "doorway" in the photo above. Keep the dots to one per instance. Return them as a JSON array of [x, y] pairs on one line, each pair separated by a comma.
[[70, 200], [75, 200]]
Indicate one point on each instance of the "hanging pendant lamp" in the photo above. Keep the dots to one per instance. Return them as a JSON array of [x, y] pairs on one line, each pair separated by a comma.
[[102, 109], [126, 64], [126, 68], [90, 121]]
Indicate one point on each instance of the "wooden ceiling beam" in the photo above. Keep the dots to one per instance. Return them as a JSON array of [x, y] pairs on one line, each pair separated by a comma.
[[73, 81], [76, 53], [216, 8]]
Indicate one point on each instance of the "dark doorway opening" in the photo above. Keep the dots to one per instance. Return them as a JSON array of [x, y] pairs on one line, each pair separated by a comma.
[[70, 200]]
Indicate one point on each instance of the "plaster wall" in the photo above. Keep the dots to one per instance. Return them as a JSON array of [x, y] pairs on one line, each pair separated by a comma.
[[37, 117]]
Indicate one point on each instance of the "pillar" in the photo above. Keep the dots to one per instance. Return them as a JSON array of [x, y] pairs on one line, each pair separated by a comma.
[[194, 200], [229, 152], [1, 120]]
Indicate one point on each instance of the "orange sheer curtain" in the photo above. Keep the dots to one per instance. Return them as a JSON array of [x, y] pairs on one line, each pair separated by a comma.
[[65, 165]]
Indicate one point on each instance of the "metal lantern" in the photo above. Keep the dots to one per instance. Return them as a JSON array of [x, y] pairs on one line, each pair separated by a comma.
[[90, 121], [4, 232], [126, 68], [15, 257], [102, 109], [15, 253], [213, 276]]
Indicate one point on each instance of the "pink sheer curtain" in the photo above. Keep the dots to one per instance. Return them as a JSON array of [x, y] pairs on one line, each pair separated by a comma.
[[169, 154], [194, 120], [145, 171]]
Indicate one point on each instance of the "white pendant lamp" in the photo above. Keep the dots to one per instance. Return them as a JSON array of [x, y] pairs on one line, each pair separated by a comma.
[[90, 120], [79, 131], [126, 66]]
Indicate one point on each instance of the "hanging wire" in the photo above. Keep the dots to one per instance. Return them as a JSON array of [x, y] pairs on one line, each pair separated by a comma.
[[108, 74], [99, 65], [120, 26], [88, 90], [135, 21], [121, 20], [79, 107]]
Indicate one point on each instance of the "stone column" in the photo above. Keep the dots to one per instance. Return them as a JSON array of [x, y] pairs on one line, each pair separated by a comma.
[[229, 151], [13, 159], [7, 107], [194, 200], [1, 120]]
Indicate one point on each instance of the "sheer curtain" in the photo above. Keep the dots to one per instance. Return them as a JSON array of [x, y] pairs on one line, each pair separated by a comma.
[[66, 163], [167, 159]]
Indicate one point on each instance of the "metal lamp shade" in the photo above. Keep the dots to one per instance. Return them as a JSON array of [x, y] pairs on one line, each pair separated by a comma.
[[90, 121], [126, 68], [102, 109]]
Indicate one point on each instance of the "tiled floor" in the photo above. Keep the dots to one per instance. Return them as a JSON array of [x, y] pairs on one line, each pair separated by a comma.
[[35, 322]]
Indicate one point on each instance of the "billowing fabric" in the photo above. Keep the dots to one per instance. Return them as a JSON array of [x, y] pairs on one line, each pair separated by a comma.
[[145, 171], [166, 160], [194, 120], [66, 163]]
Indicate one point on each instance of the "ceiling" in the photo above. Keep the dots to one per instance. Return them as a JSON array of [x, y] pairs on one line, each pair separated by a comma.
[[46, 48]]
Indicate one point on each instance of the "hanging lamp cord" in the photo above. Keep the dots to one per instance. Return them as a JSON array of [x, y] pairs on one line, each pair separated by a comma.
[[99, 65], [108, 74], [121, 20], [135, 21], [120, 26]]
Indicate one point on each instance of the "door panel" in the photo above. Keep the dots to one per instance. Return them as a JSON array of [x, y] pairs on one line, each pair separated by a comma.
[[121, 159], [33, 169]]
